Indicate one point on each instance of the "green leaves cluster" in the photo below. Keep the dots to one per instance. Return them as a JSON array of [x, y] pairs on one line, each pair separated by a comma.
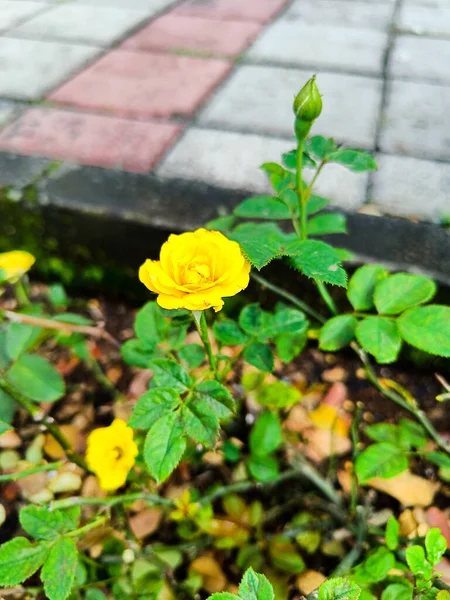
[[176, 409], [258, 330], [265, 438], [54, 551], [398, 300]]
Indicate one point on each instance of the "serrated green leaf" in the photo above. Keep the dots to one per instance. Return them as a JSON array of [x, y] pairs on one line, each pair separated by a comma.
[[263, 207], [339, 588], [93, 594], [327, 224], [412, 434], [380, 460], [383, 432], [137, 354], [7, 407], [392, 533], [263, 468], [200, 423], [289, 345], [362, 284], [415, 557], [255, 587], [427, 328], [438, 458], [436, 545], [337, 333], [255, 321], [260, 243], [401, 291], [167, 373], [272, 168], [150, 326], [286, 320], [43, 524], [19, 559], [223, 596], [378, 564], [290, 159], [320, 146], [36, 378], [315, 204], [217, 397], [317, 260], [229, 333], [266, 435], [355, 160], [223, 224], [398, 591], [58, 572], [20, 338], [380, 337], [260, 356], [153, 405], [193, 355], [164, 446], [278, 395]]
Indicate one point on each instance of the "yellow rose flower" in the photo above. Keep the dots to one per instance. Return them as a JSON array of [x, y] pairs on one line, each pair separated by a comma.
[[111, 453], [196, 270], [14, 264]]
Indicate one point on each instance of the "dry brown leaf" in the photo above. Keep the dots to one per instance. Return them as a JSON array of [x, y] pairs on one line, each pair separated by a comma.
[[327, 417], [323, 444], [345, 480], [408, 524], [336, 395], [54, 450], [309, 581], [214, 579], [298, 420], [145, 522], [407, 488], [437, 518], [114, 374]]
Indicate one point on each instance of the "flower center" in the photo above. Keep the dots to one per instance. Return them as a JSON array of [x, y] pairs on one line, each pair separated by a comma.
[[116, 453], [197, 273]]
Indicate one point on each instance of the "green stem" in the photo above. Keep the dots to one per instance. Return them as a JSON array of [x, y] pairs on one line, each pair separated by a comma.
[[21, 293], [41, 469], [307, 471], [310, 187], [299, 185], [88, 527], [355, 441], [290, 297], [112, 500], [327, 297], [202, 329], [47, 421], [353, 556], [397, 398]]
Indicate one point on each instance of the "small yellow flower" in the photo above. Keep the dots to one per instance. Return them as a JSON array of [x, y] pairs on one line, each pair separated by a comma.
[[196, 270], [111, 453], [14, 264], [185, 509]]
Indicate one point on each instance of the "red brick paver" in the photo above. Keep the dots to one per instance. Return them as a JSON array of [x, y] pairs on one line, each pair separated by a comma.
[[176, 32], [136, 84], [89, 139], [260, 11]]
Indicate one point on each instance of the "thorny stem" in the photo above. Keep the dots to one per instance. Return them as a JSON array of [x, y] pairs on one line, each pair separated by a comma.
[[355, 441], [290, 297], [111, 501], [301, 197], [45, 420], [96, 332], [40, 469], [202, 328], [411, 407]]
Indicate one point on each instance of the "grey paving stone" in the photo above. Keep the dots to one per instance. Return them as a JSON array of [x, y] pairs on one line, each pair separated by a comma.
[[341, 12], [151, 6], [226, 159], [259, 100], [12, 12], [30, 68], [75, 22], [344, 188], [421, 58], [324, 46], [424, 20], [20, 171], [412, 187], [7, 111], [417, 120]]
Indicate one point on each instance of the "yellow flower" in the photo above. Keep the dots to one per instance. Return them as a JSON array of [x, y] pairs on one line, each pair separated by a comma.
[[111, 453], [196, 270], [14, 264], [185, 509]]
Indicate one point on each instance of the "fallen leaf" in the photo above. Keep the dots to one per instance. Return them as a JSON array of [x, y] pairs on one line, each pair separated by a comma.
[[323, 444], [336, 395], [214, 579], [408, 489], [145, 522], [327, 417], [437, 518], [309, 581], [298, 420], [114, 374], [408, 524], [54, 450]]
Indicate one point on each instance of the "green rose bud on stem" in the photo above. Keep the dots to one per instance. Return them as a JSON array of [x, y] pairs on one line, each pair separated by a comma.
[[307, 107]]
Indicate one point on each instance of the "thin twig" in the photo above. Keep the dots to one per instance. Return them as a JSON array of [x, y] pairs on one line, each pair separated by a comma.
[[111, 500], [25, 473], [96, 332]]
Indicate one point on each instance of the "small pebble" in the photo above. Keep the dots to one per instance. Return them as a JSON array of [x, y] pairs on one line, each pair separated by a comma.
[[2, 514], [44, 495], [9, 460], [65, 482], [10, 440], [368, 417], [360, 373], [335, 374]]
